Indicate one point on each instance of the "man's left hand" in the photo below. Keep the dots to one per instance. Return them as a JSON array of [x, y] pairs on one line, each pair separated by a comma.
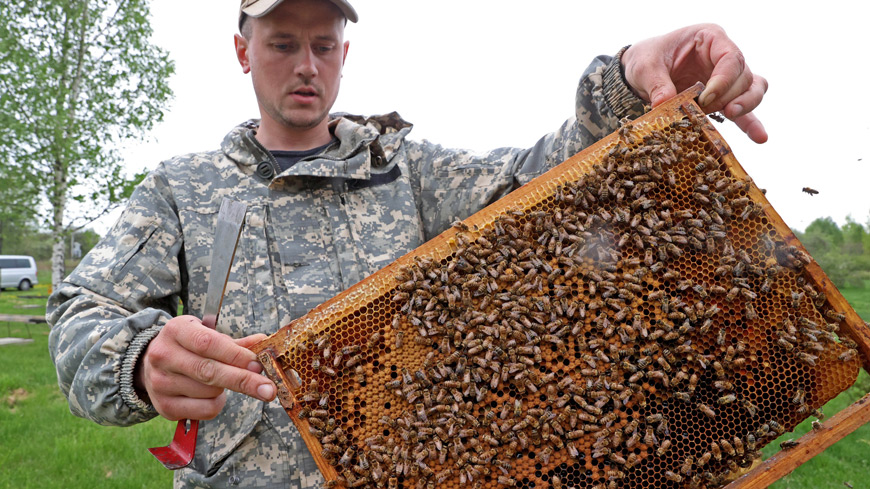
[[660, 67]]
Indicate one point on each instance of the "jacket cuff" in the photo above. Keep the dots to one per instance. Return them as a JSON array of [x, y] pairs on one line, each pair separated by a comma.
[[618, 93], [128, 368]]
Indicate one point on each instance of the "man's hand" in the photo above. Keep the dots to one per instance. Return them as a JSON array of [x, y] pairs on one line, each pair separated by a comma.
[[660, 67], [186, 368]]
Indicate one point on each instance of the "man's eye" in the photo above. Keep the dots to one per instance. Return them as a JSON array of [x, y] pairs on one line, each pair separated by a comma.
[[282, 47], [324, 49]]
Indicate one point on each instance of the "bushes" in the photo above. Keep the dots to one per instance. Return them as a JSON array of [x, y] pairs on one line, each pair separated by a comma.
[[843, 253]]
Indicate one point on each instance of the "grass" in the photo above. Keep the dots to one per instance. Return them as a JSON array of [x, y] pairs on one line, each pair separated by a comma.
[[847, 461], [44, 446]]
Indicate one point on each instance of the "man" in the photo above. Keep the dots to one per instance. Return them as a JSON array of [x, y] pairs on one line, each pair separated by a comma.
[[331, 199]]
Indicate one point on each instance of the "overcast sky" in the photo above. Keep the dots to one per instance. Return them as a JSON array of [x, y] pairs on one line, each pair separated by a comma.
[[487, 73]]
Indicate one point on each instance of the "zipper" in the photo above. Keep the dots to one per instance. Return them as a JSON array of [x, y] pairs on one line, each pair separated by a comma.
[[272, 160]]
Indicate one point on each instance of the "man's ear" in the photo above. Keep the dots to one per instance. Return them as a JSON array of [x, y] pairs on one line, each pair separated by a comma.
[[242, 53], [344, 56]]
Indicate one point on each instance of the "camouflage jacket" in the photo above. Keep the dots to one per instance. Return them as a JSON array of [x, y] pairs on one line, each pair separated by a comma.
[[310, 232]]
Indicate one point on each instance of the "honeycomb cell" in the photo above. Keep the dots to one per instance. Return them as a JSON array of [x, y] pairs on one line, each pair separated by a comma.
[[634, 319]]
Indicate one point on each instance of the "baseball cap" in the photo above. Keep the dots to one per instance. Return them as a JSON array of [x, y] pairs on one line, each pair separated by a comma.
[[259, 8]]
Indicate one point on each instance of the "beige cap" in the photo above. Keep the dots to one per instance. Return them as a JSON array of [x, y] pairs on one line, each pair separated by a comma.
[[259, 8]]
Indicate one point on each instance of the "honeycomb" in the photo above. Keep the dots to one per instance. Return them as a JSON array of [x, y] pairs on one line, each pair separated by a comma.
[[637, 317]]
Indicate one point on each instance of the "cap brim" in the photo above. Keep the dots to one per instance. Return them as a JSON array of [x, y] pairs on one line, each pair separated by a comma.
[[261, 8], [346, 9]]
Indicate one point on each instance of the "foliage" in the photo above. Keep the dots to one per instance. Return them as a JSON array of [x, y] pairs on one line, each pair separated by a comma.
[[18, 198], [25, 239], [78, 78], [843, 253]]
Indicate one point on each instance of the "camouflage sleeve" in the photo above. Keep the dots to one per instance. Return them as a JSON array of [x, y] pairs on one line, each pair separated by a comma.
[[452, 184], [105, 313]]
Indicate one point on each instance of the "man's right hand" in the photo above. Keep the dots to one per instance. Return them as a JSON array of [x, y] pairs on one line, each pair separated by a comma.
[[185, 369]]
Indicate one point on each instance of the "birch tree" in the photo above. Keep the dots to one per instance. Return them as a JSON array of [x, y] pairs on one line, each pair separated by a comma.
[[78, 78]]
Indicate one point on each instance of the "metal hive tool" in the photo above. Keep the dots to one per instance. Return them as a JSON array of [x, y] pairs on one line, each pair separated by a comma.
[[639, 316]]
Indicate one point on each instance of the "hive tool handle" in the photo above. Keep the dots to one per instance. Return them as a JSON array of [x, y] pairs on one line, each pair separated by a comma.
[[180, 452]]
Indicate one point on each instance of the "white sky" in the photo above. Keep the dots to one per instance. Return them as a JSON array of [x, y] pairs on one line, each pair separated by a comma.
[[487, 73]]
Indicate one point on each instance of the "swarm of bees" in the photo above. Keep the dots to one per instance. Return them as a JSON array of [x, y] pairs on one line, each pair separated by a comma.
[[620, 326]]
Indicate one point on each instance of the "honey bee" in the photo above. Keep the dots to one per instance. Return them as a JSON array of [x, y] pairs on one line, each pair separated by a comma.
[[848, 355], [673, 477], [727, 399], [749, 312], [716, 451], [707, 410], [738, 446], [788, 444], [732, 294], [373, 340], [703, 459], [750, 442], [693, 383], [544, 455], [835, 316], [686, 468], [649, 438], [807, 358], [776, 427], [727, 447]]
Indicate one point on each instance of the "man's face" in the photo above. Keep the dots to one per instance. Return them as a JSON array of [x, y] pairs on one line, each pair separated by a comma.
[[295, 55]]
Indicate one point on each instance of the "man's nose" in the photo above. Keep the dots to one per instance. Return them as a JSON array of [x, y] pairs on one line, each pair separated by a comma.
[[306, 66]]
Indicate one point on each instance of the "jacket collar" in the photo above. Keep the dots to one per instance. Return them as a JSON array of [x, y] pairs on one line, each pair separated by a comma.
[[365, 145]]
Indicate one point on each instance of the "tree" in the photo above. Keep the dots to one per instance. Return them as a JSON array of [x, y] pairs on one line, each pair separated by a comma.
[[826, 228], [18, 199], [78, 78], [853, 237]]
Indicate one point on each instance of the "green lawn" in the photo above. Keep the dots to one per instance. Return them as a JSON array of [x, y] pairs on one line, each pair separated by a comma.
[[44, 446], [848, 461]]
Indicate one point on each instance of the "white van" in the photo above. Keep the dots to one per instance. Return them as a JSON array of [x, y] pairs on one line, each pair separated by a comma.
[[17, 271]]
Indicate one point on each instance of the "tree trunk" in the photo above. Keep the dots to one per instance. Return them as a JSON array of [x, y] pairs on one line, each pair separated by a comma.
[[58, 268], [59, 197]]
